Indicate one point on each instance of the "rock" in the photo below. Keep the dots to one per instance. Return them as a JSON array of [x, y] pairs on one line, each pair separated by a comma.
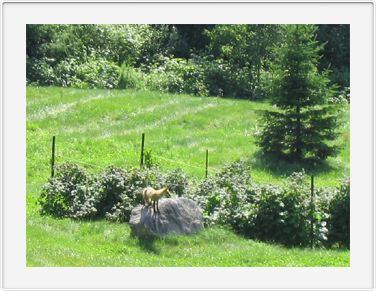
[[175, 216]]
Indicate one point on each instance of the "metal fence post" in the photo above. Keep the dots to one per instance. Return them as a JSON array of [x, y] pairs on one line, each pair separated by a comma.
[[312, 211], [142, 150], [207, 163], [53, 157]]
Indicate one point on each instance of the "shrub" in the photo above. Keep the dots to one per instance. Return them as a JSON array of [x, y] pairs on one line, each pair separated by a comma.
[[145, 177], [149, 161], [284, 213], [66, 73], [40, 71], [339, 216], [111, 187], [69, 194], [323, 197], [130, 191], [269, 219], [193, 74], [176, 76], [267, 212], [178, 182], [225, 197], [217, 77], [230, 198], [97, 72], [93, 72], [212, 199], [296, 211], [130, 78]]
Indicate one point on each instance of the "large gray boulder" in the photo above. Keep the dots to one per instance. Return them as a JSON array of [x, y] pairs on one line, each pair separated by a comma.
[[175, 216]]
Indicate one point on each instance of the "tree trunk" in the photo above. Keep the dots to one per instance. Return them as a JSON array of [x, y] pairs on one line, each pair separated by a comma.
[[298, 136]]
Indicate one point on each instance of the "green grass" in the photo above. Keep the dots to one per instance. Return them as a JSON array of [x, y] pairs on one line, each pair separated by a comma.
[[101, 127], [70, 243]]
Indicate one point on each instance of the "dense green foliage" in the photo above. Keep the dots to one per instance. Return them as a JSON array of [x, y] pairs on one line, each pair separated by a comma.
[[220, 60], [336, 53], [305, 123], [69, 194], [112, 194], [247, 51], [339, 219], [273, 213]]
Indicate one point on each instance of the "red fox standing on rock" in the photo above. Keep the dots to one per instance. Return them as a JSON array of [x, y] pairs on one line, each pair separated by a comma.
[[151, 195]]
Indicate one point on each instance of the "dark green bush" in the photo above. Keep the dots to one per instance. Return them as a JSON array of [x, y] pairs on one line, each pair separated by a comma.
[[323, 196], [66, 73], [296, 211], [70, 72], [284, 212], [226, 199], [281, 214], [176, 76], [130, 78], [220, 60], [128, 187], [125, 190], [178, 182], [112, 185], [269, 220], [40, 71], [267, 212], [339, 216], [217, 77], [96, 72], [69, 194], [112, 194], [149, 160]]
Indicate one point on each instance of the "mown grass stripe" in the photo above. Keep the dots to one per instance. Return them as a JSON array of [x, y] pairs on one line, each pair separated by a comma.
[[53, 111], [161, 122], [100, 124]]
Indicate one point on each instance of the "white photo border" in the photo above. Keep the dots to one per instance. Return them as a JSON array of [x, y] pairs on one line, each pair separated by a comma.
[[15, 274]]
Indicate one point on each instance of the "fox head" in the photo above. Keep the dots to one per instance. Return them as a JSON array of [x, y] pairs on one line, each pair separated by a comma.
[[167, 191]]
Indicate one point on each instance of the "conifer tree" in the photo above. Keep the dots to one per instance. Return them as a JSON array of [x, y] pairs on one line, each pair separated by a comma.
[[304, 123]]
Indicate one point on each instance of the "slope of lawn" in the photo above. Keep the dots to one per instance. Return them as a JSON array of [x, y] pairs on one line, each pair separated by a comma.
[[96, 128]]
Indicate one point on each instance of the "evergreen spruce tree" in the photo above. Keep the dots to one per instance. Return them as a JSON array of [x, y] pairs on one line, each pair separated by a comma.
[[303, 125]]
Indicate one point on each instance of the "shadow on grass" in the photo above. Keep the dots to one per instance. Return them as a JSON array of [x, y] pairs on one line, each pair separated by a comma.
[[171, 241], [283, 167], [147, 243]]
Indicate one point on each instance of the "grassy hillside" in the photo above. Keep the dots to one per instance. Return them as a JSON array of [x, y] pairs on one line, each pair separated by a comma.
[[101, 127], [97, 128]]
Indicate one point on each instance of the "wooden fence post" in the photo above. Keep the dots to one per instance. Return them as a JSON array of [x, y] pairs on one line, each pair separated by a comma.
[[207, 163], [53, 157], [312, 211], [142, 150]]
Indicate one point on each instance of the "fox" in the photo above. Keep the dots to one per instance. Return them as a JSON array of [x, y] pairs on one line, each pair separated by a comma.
[[150, 195]]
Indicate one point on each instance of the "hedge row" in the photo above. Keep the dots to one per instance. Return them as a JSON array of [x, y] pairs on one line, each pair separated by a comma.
[[200, 76], [266, 212]]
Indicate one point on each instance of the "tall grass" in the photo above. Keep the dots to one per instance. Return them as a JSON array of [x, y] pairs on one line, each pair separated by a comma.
[[130, 78]]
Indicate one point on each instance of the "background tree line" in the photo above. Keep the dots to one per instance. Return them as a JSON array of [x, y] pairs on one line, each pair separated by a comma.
[[221, 60]]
